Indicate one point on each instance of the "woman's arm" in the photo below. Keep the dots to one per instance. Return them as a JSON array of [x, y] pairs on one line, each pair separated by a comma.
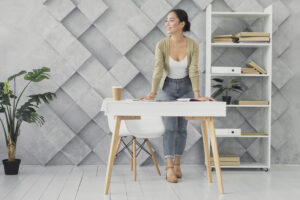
[[158, 69], [194, 74], [157, 74], [193, 68]]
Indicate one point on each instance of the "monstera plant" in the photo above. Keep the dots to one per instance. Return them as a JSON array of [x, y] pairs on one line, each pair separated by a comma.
[[13, 115]]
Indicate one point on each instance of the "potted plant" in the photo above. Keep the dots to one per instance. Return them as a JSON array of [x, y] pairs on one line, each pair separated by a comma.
[[14, 115], [226, 86]]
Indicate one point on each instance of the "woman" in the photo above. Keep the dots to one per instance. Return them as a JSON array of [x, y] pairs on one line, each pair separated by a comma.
[[176, 72]]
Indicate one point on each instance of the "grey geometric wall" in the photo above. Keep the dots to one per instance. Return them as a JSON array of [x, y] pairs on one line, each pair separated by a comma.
[[91, 45]]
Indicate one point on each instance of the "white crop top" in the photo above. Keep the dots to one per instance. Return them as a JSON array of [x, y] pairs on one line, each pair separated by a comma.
[[178, 69]]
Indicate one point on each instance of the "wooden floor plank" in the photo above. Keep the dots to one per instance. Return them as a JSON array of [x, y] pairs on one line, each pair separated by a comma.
[[72, 184], [87, 182], [21, 187], [56, 185], [39, 187]]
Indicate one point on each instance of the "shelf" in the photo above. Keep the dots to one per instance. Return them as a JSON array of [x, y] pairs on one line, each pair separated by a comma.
[[250, 106], [246, 75], [247, 165], [239, 44], [240, 14], [264, 90], [243, 136]]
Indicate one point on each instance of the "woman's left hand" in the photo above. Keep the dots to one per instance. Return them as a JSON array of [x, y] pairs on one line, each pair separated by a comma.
[[205, 98]]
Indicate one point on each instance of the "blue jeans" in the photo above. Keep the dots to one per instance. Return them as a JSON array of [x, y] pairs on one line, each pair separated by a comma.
[[174, 137]]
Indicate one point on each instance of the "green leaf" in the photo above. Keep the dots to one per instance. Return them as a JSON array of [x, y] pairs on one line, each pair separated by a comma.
[[217, 86], [236, 90], [2, 110], [5, 94], [28, 114], [237, 87], [38, 98], [234, 81], [218, 80], [38, 75], [16, 75], [218, 92]]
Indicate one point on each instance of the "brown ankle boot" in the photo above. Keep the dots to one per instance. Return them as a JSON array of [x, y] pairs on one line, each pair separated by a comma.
[[177, 170], [170, 174]]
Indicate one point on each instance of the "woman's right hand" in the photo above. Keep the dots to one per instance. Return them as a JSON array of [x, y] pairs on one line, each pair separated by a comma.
[[150, 97]]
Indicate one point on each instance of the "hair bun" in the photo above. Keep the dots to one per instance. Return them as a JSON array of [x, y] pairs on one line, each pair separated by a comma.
[[187, 26]]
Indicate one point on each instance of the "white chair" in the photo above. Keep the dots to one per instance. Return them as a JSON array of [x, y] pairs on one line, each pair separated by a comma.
[[145, 128]]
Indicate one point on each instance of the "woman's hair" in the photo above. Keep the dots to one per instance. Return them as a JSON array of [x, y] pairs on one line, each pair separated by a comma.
[[183, 17]]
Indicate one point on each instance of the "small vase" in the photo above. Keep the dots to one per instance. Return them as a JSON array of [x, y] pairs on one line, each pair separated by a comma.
[[11, 167], [227, 99]]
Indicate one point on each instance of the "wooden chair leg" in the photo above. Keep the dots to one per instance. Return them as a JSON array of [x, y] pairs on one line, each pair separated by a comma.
[[134, 158], [206, 149], [131, 168], [153, 157], [214, 144], [111, 157]]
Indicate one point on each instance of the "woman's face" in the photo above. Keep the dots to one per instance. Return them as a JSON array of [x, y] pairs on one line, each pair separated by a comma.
[[172, 24]]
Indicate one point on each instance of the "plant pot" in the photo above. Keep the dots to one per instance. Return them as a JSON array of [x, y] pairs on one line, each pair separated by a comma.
[[11, 167], [227, 99]]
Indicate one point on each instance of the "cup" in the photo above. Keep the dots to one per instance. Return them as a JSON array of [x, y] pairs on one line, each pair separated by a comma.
[[117, 92]]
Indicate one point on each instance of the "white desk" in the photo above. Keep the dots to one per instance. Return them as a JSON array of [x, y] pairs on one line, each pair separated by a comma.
[[134, 110]]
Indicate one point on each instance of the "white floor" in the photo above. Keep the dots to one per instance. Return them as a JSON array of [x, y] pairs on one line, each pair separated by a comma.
[[87, 182]]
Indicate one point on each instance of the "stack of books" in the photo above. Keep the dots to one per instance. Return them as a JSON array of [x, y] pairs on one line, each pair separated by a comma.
[[251, 102], [223, 39], [247, 70], [245, 37], [253, 68], [227, 160]]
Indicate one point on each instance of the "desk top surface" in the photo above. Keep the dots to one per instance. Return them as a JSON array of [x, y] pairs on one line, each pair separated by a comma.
[[163, 108]]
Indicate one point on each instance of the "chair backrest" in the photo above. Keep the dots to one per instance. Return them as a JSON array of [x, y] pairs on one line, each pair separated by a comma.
[[123, 129], [146, 127]]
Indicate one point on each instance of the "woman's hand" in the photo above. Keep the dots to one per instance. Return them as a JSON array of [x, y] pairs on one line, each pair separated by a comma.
[[197, 96], [205, 98], [150, 97]]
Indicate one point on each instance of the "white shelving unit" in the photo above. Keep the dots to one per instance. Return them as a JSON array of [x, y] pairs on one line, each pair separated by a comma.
[[265, 141]]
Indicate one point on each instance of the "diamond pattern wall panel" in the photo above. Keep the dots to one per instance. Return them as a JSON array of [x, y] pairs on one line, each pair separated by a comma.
[[93, 45]]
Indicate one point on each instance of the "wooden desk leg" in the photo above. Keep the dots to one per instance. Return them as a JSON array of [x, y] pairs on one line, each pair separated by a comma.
[[134, 158], [214, 144], [111, 158], [118, 147], [206, 149]]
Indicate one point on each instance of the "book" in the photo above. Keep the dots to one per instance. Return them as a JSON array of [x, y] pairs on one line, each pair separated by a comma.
[[254, 39], [256, 66], [229, 40], [249, 71], [254, 133], [252, 102], [223, 39], [251, 34], [222, 36], [256, 42], [227, 157], [226, 163]]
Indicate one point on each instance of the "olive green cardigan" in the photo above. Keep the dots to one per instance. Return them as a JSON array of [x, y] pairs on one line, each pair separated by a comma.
[[161, 69]]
